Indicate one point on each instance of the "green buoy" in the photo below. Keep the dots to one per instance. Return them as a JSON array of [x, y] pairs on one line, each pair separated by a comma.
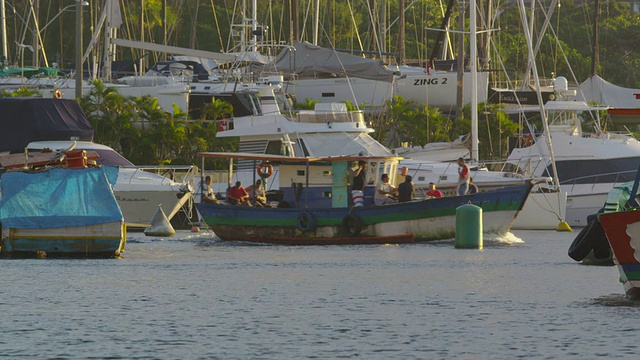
[[469, 227]]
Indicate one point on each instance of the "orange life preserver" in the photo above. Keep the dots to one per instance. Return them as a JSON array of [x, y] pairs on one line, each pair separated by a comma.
[[268, 170], [527, 140], [57, 94]]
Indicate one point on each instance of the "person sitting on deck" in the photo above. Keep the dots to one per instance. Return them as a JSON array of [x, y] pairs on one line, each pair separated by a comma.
[[237, 195], [406, 190], [257, 194], [433, 192], [384, 192], [473, 188], [208, 195]]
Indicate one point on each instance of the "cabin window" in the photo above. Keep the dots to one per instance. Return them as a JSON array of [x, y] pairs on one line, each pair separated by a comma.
[[300, 172], [328, 94], [420, 178], [327, 173], [326, 194], [274, 148], [443, 177]]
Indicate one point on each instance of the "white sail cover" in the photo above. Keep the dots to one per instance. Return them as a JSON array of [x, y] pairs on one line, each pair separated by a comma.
[[603, 92], [308, 60]]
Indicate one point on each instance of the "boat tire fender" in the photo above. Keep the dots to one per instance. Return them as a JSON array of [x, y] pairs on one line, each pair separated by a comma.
[[306, 222], [583, 243], [352, 224]]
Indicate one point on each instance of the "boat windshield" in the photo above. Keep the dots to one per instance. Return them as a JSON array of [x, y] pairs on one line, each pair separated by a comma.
[[110, 157]]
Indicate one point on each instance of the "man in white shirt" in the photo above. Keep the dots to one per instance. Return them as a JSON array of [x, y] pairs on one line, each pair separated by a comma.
[[384, 192]]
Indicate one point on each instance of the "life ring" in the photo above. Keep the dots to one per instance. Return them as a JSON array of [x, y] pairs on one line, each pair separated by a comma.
[[57, 94], [268, 170], [527, 140], [306, 222], [352, 225]]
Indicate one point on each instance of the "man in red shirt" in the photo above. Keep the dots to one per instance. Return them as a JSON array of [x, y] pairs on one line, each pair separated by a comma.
[[237, 195], [463, 177], [433, 192]]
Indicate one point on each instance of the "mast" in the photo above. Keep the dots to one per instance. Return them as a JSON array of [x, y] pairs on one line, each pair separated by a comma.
[[474, 80], [543, 114], [460, 63], [594, 49], [79, 66], [316, 20], [401, 59], [3, 26]]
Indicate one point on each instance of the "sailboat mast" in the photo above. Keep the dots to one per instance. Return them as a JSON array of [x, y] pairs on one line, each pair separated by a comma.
[[594, 49], [543, 114], [474, 80], [316, 21], [3, 25], [401, 59]]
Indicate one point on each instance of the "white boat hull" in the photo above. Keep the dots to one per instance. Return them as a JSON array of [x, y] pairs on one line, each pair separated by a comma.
[[439, 89], [541, 211]]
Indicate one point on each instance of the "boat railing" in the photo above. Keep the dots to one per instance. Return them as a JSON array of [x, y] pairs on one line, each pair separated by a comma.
[[527, 166], [615, 178]]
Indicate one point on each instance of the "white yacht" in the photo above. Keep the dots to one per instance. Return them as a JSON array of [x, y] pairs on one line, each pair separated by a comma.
[[139, 192], [588, 164]]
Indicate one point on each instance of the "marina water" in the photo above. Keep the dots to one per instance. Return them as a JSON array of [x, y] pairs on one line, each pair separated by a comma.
[[192, 297]]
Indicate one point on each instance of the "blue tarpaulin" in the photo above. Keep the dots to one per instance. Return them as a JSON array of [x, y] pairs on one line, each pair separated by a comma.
[[59, 198]]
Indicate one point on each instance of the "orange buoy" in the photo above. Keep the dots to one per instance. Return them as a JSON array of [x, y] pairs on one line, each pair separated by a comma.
[[195, 229]]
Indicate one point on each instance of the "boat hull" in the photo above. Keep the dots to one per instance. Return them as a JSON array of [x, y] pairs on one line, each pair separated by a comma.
[[90, 241], [623, 233], [431, 219], [542, 211], [138, 207]]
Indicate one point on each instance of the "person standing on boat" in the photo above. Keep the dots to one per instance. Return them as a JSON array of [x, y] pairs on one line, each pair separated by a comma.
[[237, 195], [359, 181], [208, 195], [406, 190], [463, 177], [384, 192], [433, 192]]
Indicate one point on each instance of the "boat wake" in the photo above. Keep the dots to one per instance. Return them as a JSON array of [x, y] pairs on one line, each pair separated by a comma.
[[503, 239]]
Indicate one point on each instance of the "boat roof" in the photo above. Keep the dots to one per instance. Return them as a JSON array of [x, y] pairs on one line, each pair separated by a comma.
[[282, 158]]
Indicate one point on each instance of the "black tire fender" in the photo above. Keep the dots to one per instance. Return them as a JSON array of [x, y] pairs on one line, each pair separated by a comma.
[[306, 222], [352, 224]]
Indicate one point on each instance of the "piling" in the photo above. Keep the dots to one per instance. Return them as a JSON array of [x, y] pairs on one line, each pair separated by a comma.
[[469, 227]]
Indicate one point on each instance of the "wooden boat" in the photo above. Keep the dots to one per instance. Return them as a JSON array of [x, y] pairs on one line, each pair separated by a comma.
[[61, 212], [321, 212], [621, 223]]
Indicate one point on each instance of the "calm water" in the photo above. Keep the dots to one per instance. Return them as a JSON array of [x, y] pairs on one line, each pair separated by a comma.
[[190, 297]]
